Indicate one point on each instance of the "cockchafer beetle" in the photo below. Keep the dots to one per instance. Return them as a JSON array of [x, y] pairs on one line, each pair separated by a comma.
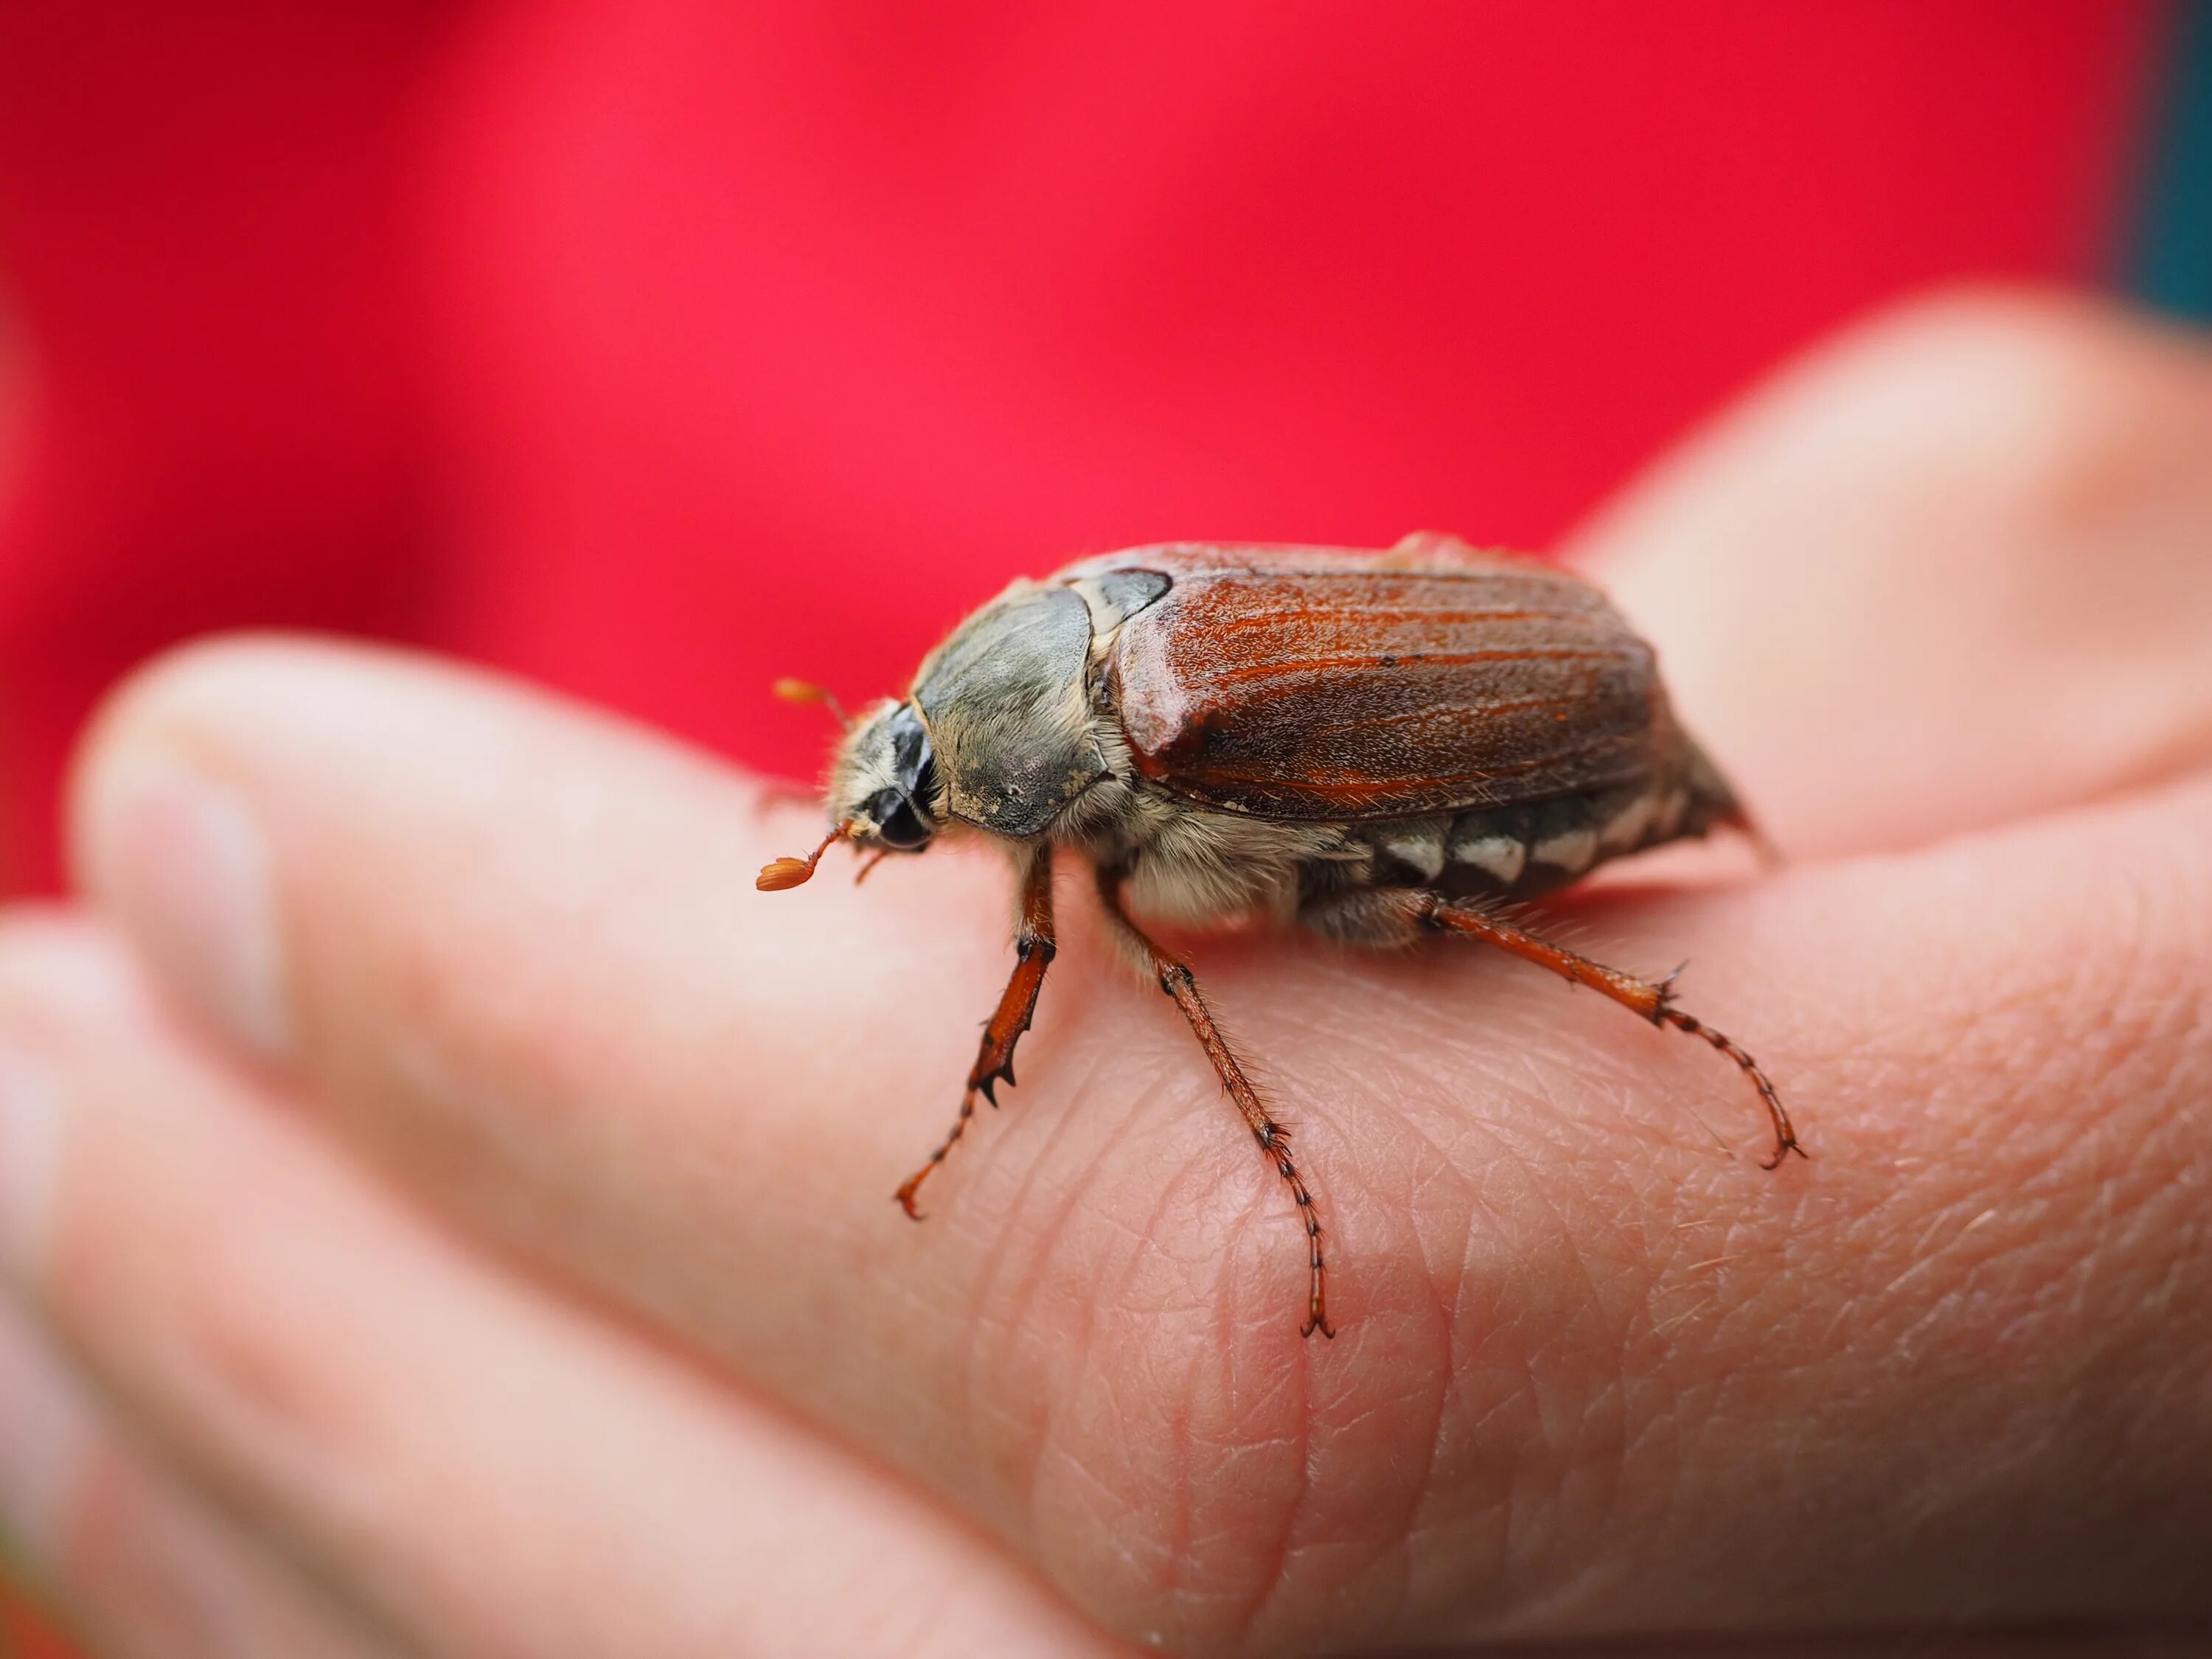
[[1372, 746]]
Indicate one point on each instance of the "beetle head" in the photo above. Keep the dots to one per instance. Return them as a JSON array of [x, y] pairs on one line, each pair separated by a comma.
[[885, 782], [883, 792]]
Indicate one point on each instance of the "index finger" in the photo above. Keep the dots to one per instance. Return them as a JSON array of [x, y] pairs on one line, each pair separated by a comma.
[[519, 951]]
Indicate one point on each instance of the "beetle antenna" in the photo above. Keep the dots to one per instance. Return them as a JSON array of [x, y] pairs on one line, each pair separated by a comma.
[[785, 872], [807, 691]]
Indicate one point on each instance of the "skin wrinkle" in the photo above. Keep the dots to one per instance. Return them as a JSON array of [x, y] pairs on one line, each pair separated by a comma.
[[1519, 1399], [1655, 1444], [1107, 1514], [1598, 1461], [2102, 1229], [1355, 1181], [2095, 1147], [906, 1624], [1272, 1567], [1019, 1436], [1560, 1417], [1449, 1414], [1274, 1584], [1616, 1462], [1364, 1057], [1030, 1462], [1174, 1547], [1496, 1420], [2191, 1244], [1200, 1168], [1560, 1064], [1020, 1449], [1531, 1064], [1474, 1284], [2049, 1174], [1023, 1454], [1707, 1326], [1422, 1488], [1246, 1217]]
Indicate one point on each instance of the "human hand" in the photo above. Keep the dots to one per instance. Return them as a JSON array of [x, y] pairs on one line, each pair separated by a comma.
[[448, 1209]]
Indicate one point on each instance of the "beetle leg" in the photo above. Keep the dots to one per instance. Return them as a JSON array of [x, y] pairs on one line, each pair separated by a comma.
[[1394, 915], [1655, 1001], [1176, 979], [1034, 948]]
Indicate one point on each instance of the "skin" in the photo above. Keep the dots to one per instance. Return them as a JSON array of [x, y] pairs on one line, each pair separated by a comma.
[[454, 1218]]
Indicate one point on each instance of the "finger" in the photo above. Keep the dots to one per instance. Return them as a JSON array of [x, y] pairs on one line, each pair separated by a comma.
[[151, 1573], [1949, 571], [521, 952], [485, 1471]]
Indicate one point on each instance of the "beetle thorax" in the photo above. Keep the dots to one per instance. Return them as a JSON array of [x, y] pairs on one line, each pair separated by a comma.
[[1006, 702]]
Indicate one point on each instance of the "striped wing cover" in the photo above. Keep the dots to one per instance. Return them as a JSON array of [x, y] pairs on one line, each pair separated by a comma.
[[1317, 685]]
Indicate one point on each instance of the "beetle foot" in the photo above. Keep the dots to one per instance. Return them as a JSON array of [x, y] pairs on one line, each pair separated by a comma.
[[1663, 1003]]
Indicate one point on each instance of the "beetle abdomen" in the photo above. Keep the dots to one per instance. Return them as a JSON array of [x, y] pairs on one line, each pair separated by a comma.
[[1309, 687], [1535, 847]]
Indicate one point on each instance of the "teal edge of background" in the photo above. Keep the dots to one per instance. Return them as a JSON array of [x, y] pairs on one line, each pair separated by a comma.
[[2170, 263]]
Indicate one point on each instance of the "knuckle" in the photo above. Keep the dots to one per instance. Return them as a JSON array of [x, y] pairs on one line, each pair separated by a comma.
[[207, 1313], [2061, 406], [189, 1260]]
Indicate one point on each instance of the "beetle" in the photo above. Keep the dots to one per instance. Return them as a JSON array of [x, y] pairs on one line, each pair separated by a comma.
[[1371, 746]]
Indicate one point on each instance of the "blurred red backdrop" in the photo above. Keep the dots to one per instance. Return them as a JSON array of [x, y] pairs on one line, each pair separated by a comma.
[[655, 347]]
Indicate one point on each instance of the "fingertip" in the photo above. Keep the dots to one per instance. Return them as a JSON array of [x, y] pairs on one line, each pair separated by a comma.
[[179, 857], [187, 709]]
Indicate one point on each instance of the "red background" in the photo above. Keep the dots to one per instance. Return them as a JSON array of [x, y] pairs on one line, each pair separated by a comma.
[[656, 347]]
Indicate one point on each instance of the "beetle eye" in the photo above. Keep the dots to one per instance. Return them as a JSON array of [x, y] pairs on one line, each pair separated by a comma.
[[901, 828]]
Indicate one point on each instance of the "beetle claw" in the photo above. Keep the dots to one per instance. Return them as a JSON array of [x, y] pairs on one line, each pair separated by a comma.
[[1782, 1153], [1666, 997]]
